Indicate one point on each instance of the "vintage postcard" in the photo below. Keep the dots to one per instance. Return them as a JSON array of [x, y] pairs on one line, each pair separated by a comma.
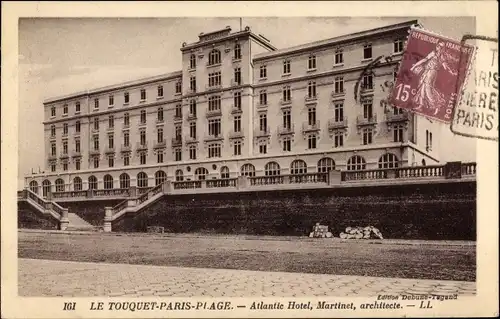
[[249, 159]]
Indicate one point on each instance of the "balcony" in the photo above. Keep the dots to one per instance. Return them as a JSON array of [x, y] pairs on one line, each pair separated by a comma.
[[126, 126], [95, 152], [286, 103], [191, 91], [213, 113], [371, 120], [262, 133], [310, 126], [392, 118], [262, 106], [285, 130], [213, 87], [338, 94], [310, 99], [52, 137], [235, 83], [234, 134], [366, 89], [109, 150], [333, 124], [160, 144], [178, 118], [213, 138], [64, 155], [76, 154], [142, 146], [189, 139], [125, 148], [142, 124], [162, 120], [236, 110], [176, 141], [110, 128], [191, 116], [52, 157], [95, 130], [64, 135]]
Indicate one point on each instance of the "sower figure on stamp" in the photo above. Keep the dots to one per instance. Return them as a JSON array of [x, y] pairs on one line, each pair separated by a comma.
[[427, 96]]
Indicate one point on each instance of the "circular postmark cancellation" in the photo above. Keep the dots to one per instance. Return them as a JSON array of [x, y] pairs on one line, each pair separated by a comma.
[[476, 114], [431, 75]]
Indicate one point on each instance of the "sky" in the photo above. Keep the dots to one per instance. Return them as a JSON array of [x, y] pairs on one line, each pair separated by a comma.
[[59, 56]]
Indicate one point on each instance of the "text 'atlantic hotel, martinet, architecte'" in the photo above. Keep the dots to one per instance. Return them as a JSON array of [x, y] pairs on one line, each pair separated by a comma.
[[239, 106]]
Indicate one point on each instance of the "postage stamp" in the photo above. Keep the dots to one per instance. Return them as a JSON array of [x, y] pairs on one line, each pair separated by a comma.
[[476, 114], [431, 75]]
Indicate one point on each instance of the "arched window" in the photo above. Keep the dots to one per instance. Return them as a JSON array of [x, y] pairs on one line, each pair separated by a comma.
[[124, 181], [77, 184], [92, 182], [388, 160], [34, 187], [200, 173], [108, 182], [192, 61], [356, 163], [214, 57], [179, 176], [224, 172], [59, 185], [46, 186], [423, 161], [298, 167], [160, 177], [272, 169], [142, 180], [248, 170], [325, 165]]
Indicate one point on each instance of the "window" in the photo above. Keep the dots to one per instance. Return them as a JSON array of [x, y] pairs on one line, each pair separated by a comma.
[[356, 163], [108, 182], [339, 85], [160, 177], [214, 150], [126, 160], [111, 141], [237, 76], [96, 161], [192, 83], [178, 111], [179, 176], [77, 164], [178, 87], [111, 100], [287, 119], [237, 124], [367, 51], [126, 120], [65, 109], [286, 67], [287, 93], [311, 116], [388, 160], [237, 148], [142, 137], [224, 172], [77, 126], [159, 157], [77, 146], [192, 108], [339, 139], [59, 185], [53, 131], [52, 167], [178, 132], [214, 103], [263, 122], [263, 98], [237, 51], [263, 71], [272, 169], [142, 180], [160, 90], [428, 141], [311, 141], [46, 186], [423, 162], [143, 117], [34, 187], [192, 61], [53, 111], [311, 62], [142, 158], [143, 95], [398, 46], [111, 161], [214, 127], [126, 139], [159, 114], [96, 104], [368, 82], [339, 57], [192, 152], [263, 147], [126, 98], [287, 144], [325, 165], [398, 133], [339, 111], [124, 181], [214, 57], [65, 129], [367, 136], [214, 79], [248, 170], [311, 89], [178, 154], [65, 147], [368, 109], [65, 166], [237, 100], [96, 142], [111, 122], [192, 130], [53, 149], [298, 167], [200, 173], [96, 123], [77, 184], [92, 182], [77, 107], [159, 135]]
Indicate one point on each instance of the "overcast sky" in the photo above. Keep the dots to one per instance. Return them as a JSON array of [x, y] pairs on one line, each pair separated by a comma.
[[63, 56]]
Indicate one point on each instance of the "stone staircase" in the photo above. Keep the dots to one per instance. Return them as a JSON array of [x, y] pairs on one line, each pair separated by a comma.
[[75, 222]]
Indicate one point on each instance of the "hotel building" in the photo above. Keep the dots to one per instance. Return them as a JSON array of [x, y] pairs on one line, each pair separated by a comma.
[[239, 106]]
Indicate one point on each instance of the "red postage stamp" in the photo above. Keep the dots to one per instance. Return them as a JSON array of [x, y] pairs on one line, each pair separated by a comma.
[[431, 75]]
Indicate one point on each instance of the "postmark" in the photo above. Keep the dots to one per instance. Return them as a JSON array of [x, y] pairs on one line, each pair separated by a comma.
[[431, 75], [476, 114]]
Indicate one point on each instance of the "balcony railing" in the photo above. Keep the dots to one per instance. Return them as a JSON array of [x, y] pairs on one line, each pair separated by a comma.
[[191, 116], [211, 138], [308, 178], [266, 180], [94, 152], [262, 133], [310, 126], [401, 117], [219, 183], [125, 148], [176, 141], [234, 134], [284, 130], [311, 98], [333, 124], [178, 118], [76, 154], [189, 139], [285, 103], [142, 146], [64, 155], [212, 113], [236, 110], [109, 150], [187, 185], [160, 144], [361, 120], [337, 93], [213, 87]]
